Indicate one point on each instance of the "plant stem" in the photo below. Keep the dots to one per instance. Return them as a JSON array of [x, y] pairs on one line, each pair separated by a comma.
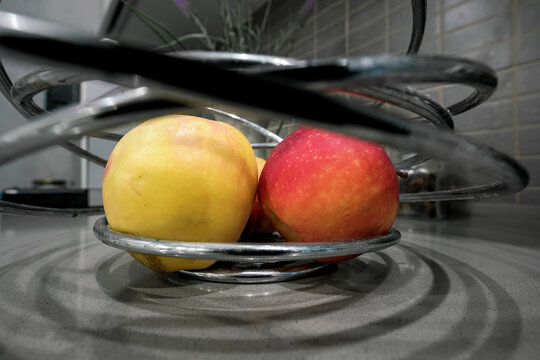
[[151, 23], [179, 40]]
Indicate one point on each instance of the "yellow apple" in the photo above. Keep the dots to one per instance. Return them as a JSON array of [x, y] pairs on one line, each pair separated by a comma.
[[180, 178]]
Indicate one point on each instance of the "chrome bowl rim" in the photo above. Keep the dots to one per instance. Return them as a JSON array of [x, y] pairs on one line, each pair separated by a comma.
[[245, 252]]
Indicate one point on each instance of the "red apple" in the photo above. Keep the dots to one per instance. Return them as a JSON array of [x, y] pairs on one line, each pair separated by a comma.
[[321, 186]]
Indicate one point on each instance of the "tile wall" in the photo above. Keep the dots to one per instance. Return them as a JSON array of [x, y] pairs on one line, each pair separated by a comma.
[[504, 34]]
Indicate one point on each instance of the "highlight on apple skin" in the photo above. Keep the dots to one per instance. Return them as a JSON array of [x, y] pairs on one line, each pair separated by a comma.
[[319, 186]]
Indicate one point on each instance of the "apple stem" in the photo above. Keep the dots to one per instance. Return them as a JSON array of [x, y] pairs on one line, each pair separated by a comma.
[[402, 174]]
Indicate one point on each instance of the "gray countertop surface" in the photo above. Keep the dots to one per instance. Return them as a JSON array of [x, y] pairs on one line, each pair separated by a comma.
[[453, 289]]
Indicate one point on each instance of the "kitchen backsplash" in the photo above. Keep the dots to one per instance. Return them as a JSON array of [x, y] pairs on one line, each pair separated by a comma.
[[504, 34]]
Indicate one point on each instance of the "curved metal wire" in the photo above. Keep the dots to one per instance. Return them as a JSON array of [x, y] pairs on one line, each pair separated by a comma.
[[20, 95], [419, 10], [244, 252], [409, 99], [281, 99], [323, 75]]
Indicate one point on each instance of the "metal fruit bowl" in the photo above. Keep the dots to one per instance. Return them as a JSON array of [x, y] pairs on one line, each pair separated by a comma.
[[279, 88], [267, 261]]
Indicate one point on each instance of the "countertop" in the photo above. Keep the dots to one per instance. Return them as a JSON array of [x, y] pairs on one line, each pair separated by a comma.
[[465, 288]]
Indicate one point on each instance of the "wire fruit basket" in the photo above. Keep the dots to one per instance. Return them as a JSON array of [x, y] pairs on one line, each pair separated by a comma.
[[281, 88]]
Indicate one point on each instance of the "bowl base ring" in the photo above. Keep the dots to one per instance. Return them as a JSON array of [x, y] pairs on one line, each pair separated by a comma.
[[257, 273]]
